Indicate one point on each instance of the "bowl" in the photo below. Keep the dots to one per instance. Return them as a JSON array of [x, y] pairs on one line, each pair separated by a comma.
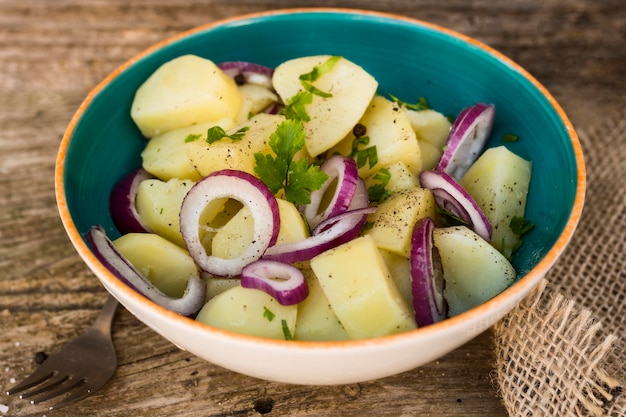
[[409, 58]]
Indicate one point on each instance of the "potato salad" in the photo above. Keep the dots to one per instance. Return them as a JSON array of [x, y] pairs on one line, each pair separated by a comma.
[[301, 203]]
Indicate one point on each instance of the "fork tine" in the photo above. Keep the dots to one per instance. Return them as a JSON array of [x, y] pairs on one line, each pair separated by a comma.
[[47, 385], [64, 387], [77, 394], [36, 378]]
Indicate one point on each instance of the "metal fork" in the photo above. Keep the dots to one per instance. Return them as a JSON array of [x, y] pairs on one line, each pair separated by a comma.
[[80, 368]]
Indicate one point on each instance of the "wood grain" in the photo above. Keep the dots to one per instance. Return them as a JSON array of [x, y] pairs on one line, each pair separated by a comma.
[[53, 53]]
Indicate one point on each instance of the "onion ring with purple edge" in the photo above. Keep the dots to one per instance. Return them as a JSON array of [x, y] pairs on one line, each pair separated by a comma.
[[452, 197], [427, 281], [237, 185], [122, 203], [283, 281], [252, 73], [467, 138], [188, 305]]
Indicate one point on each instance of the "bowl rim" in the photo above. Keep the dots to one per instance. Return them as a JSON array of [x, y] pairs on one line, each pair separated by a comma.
[[512, 294]]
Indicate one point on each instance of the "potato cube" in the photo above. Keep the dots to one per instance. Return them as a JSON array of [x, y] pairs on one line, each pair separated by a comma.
[[361, 291]]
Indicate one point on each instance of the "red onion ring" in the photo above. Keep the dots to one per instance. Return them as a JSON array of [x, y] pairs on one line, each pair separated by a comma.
[[345, 172], [452, 197], [468, 136], [427, 281], [188, 305], [247, 189], [284, 282], [328, 234], [251, 73], [122, 203]]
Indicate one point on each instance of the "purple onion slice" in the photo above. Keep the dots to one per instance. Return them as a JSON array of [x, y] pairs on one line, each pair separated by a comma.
[[328, 234], [247, 72], [344, 173], [122, 203], [283, 281], [427, 281], [188, 305], [468, 136], [452, 197], [251, 192]]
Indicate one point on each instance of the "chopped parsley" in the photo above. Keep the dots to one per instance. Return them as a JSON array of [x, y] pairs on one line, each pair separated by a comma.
[[520, 225], [379, 192], [216, 133], [295, 106], [364, 155], [422, 103], [296, 178], [286, 331], [268, 314], [510, 137]]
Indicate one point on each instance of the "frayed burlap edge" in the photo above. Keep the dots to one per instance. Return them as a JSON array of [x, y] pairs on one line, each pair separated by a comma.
[[554, 367]]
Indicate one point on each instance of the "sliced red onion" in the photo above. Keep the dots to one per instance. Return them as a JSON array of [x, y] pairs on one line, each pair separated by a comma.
[[328, 234], [468, 136], [122, 203], [188, 305], [452, 197], [248, 72], [344, 173], [280, 280], [237, 185], [427, 281], [360, 199]]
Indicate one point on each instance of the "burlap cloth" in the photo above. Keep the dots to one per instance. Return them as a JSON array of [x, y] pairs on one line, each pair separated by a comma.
[[562, 351]]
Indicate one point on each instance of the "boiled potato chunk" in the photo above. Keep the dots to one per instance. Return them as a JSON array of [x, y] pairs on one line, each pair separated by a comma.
[[255, 99], [392, 223], [361, 291], [182, 92], [389, 130], [430, 126], [400, 269], [331, 118], [316, 318], [165, 155], [165, 264], [232, 239], [473, 270], [228, 154], [499, 181], [249, 311], [217, 285], [400, 178], [158, 204]]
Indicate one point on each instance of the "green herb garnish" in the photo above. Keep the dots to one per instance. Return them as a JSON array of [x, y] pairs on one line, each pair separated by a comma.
[[281, 172], [286, 331], [216, 133], [422, 103], [295, 106], [520, 225], [379, 192], [510, 137], [364, 155], [267, 313]]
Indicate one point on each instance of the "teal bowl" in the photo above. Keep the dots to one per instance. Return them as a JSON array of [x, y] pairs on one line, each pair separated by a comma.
[[410, 59]]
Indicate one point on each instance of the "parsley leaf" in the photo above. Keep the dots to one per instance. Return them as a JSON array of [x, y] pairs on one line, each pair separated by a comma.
[[510, 137], [379, 192], [192, 138], [295, 106], [364, 155], [268, 314], [286, 331], [520, 225], [280, 172], [217, 133], [422, 103]]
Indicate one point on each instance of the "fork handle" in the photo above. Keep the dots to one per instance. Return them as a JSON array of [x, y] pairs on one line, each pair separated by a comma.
[[105, 318]]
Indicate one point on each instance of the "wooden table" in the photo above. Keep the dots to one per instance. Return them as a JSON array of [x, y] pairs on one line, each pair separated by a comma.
[[53, 53]]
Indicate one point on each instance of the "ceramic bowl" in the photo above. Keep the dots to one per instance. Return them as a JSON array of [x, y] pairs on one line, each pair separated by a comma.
[[410, 59]]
